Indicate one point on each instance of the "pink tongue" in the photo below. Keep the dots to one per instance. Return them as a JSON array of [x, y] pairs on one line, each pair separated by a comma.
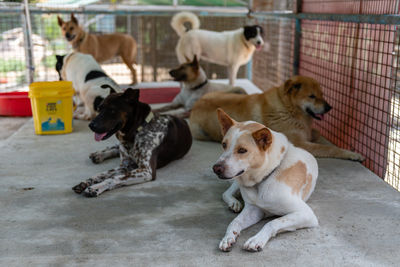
[[258, 47], [321, 116], [99, 136]]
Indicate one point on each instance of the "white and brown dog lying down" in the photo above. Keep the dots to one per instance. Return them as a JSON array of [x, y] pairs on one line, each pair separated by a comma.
[[229, 48], [92, 85], [274, 176], [288, 109], [194, 84]]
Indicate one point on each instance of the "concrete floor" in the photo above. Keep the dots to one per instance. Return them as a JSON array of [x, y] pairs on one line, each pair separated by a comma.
[[9, 125], [178, 219]]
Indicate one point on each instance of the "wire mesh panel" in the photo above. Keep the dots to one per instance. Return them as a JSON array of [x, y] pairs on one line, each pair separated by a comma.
[[155, 38], [12, 50], [357, 66], [393, 156], [353, 63], [350, 6], [274, 64], [159, 42]]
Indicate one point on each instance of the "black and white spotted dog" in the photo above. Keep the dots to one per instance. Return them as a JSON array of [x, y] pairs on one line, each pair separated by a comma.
[[147, 141], [89, 80]]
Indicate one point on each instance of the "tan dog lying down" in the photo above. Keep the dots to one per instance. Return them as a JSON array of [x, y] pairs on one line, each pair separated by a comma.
[[288, 109], [101, 46], [275, 178]]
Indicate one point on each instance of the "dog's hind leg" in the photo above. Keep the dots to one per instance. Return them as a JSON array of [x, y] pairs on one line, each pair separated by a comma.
[[132, 68], [87, 114], [128, 53], [108, 153], [302, 218], [329, 151], [228, 196]]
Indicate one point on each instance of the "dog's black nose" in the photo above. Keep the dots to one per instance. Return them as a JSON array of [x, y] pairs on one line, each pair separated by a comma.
[[327, 107], [218, 169], [172, 73], [258, 42], [67, 35]]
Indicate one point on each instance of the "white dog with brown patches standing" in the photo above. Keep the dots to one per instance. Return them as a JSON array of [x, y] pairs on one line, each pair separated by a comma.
[[274, 177]]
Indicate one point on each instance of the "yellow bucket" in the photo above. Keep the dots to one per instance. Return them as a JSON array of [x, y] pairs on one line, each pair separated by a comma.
[[52, 106]]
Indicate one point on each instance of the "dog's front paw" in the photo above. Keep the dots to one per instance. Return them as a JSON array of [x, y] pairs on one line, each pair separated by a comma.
[[91, 192], [227, 242], [96, 157], [355, 156], [236, 206], [255, 244], [79, 188]]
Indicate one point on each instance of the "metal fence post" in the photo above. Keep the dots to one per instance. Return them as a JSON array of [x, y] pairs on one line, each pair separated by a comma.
[[296, 43], [27, 32]]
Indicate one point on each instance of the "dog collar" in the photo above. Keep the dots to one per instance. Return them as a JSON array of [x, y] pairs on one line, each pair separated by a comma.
[[200, 85], [147, 120], [80, 41]]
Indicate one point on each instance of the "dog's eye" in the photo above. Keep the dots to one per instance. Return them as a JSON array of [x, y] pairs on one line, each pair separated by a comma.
[[312, 96], [242, 150], [223, 145]]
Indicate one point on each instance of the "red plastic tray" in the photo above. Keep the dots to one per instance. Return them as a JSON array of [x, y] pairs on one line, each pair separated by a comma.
[[18, 103], [158, 95], [15, 104]]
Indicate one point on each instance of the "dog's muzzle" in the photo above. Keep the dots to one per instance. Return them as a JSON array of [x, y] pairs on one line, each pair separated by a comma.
[[219, 170], [69, 37]]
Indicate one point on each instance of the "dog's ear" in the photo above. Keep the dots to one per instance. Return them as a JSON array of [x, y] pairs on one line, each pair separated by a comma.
[[195, 62], [261, 29], [291, 85], [263, 138], [73, 19], [188, 60], [225, 121], [59, 58], [132, 95], [60, 21]]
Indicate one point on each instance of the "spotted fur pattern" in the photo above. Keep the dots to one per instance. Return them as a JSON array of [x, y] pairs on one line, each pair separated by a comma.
[[137, 161]]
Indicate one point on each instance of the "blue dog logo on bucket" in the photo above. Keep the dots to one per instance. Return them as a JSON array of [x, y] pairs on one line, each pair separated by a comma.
[[53, 126]]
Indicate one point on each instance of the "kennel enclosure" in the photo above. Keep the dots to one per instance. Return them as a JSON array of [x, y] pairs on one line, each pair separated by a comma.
[[350, 47]]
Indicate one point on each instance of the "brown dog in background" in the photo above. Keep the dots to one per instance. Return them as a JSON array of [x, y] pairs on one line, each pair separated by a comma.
[[101, 46], [289, 109]]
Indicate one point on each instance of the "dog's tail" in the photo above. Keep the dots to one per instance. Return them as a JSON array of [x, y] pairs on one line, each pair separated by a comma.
[[178, 21]]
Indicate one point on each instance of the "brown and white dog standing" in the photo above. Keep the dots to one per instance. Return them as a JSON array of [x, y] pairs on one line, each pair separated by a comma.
[[101, 46], [289, 109], [275, 178], [147, 142]]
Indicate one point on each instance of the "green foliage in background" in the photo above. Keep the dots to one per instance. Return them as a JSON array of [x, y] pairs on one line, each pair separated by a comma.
[[11, 65], [51, 29], [50, 61]]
